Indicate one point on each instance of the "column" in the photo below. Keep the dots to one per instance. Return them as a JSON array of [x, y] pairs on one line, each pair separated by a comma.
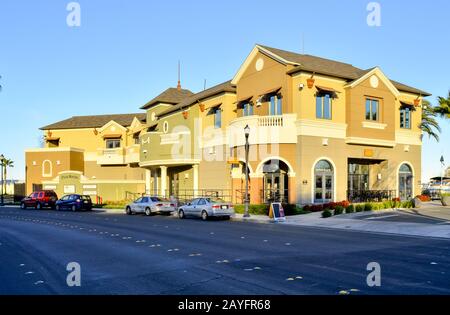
[[292, 186], [148, 176], [163, 180], [195, 179]]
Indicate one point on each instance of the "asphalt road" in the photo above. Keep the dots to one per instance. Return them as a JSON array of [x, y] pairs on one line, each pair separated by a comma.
[[121, 254]]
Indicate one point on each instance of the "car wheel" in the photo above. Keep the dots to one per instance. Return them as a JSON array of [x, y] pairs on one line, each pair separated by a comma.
[[74, 208], [128, 211], [58, 208], [204, 215], [227, 217], [22, 205], [181, 214], [38, 206], [148, 211]]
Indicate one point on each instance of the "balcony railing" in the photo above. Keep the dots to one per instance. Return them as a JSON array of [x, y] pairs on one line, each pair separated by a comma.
[[370, 195], [270, 121], [264, 129], [114, 156]]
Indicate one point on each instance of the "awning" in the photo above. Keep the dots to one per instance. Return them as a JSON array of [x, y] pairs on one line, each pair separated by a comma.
[[406, 103], [326, 89], [112, 136], [244, 99], [52, 139], [272, 91]]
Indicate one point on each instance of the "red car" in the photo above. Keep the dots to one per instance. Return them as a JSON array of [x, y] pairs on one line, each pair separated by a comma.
[[40, 199]]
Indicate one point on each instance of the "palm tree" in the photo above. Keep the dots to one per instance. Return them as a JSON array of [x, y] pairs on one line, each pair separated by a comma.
[[443, 109], [6, 163], [429, 124]]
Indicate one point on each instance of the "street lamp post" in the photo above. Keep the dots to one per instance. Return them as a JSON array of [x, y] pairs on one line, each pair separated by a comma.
[[247, 147], [2, 158], [442, 173]]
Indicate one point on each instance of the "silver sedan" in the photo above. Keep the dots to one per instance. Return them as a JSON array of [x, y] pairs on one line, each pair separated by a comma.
[[206, 207], [149, 205]]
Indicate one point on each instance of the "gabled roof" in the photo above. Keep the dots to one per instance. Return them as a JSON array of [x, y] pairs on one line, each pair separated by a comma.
[[325, 66], [95, 121], [191, 100], [170, 96]]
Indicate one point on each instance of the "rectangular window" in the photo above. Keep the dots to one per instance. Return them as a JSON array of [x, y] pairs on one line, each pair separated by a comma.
[[372, 109], [405, 118], [248, 109], [323, 106], [275, 106], [112, 143], [218, 118]]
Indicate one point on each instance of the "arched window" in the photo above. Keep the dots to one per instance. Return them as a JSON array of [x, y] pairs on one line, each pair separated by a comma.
[[405, 182], [47, 168], [323, 182]]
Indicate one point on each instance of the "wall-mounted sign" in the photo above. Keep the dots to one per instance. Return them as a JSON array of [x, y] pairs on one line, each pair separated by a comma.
[[69, 189]]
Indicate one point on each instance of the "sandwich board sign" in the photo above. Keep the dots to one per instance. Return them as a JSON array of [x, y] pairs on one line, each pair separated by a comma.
[[276, 212]]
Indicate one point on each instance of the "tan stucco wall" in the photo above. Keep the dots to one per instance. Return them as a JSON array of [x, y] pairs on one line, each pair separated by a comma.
[[310, 149], [68, 160]]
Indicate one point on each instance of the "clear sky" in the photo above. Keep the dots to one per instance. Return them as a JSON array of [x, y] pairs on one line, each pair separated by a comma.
[[126, 52]]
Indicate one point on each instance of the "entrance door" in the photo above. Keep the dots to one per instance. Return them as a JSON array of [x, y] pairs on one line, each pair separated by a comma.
[[323, 182], [405, 182], [272, 187]]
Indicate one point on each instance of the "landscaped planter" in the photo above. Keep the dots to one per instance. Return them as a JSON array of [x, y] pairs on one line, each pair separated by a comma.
[[445, 200]]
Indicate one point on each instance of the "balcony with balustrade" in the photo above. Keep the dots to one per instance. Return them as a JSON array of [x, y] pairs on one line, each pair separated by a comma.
[[114, 156], [264, 129]]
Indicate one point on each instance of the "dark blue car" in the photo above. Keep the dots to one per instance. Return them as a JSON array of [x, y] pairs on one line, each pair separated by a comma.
[[74, 202]]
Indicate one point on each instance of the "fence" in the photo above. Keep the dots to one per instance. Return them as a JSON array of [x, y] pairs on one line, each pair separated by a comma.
[[370, 195]]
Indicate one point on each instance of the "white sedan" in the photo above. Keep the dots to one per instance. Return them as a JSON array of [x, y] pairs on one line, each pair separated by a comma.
[[149, 205], [206, 207]]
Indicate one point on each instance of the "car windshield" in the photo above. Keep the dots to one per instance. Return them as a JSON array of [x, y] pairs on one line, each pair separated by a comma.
[[87, 198]]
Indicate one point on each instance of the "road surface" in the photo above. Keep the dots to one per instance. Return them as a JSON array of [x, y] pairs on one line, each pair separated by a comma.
[[121, 254]]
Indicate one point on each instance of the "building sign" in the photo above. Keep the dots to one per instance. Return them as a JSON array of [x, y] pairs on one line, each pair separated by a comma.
[[69, 189]]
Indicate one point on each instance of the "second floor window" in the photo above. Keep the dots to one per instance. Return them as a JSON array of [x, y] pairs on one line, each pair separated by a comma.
[[247, 109], [405, 118], [112, 143], [218, 118], [323, 106], [372, 109], [275, 105]]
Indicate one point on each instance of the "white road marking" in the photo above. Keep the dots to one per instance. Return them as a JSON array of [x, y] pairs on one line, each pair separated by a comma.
[[29, 272], [39, 282]]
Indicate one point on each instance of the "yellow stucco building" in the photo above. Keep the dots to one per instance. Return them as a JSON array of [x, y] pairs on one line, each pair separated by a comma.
[[320, 130]]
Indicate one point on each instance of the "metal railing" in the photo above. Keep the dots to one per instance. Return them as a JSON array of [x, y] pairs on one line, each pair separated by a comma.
[[274, 195], [370, 195]]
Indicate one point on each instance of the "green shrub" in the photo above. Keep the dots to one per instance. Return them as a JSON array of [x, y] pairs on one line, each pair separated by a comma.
[[368, 207], [407, 204], [359, 208], [338, 210], [326, 213], [253, 209], [350, 209], [445, 194]]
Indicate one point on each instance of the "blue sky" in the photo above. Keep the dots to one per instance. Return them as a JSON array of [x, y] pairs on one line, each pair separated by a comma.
[[126, 52]]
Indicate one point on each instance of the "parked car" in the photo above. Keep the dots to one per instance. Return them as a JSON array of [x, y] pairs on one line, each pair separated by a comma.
[[74, 202], [206, 207], [149, 205], [39, 200]]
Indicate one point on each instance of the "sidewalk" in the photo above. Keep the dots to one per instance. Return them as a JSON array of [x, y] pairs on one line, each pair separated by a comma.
[[351, 223]]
